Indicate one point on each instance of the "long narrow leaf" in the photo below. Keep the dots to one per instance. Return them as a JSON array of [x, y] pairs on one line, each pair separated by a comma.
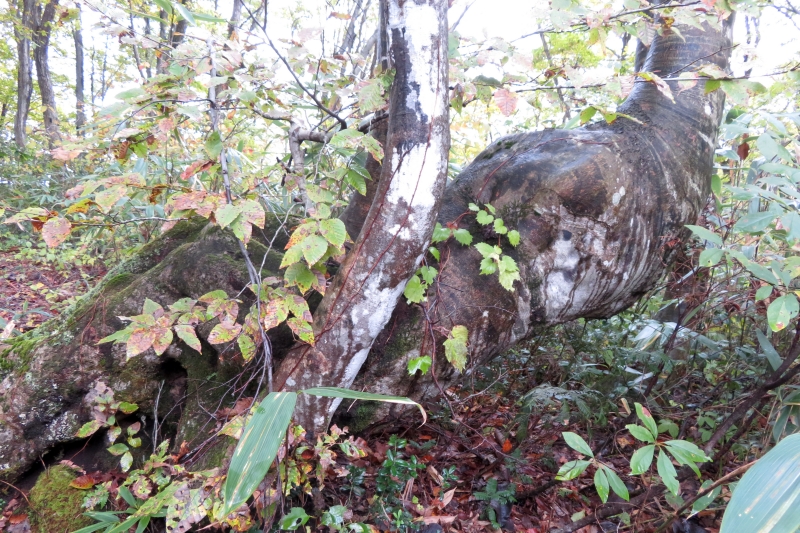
[[257, 448], [767, 499], [336, 392]]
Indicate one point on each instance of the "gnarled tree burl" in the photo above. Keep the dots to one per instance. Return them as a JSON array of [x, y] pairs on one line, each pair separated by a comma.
[[600, 210]]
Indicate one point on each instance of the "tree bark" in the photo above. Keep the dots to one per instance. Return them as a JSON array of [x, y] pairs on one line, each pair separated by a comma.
[[600, 209], [80, 112], [398, 227], [22, 34], [43, 20]]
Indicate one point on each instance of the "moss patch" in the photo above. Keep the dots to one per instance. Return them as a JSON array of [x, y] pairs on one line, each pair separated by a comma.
[[56, 506]]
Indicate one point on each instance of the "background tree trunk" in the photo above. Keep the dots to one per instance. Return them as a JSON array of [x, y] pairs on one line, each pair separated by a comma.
[[80, 112], [43, 21], [22, 33]]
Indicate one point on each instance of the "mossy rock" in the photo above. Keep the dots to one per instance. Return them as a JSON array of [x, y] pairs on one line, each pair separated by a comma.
[[56, 507]]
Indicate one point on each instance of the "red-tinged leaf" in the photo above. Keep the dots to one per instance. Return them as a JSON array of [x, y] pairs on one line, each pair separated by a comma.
[[188, 335], [109, 197], [340, 16], [302, 329], [89, 428], [224, 332], [253, 213], [301, 232], [226, 307], [743, 150], [16, 519], [247, 347], [162, 340], [56, 231], [299, 307], [194, 168], [140, 340], [660, 84], [165, 125], [82, 482], [506, 101], [274, 313], [507, 446], [62, 154], [75, 192], [211, 297]]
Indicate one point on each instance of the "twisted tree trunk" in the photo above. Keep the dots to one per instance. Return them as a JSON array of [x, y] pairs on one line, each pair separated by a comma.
[[600, 210]]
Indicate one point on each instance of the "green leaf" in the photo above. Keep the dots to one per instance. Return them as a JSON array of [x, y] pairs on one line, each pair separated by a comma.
[[428, 274], [770, 353], [649, 422], [500, 227], [753, 510], [435, 253], [246, 346], [756, 222], [356, 181], [333, 230], [642, 459], [257, 448], [118, 449], [710, 257], [313, 248], [716, 185], [294, 519], [763, 292], [299, 274], [337, 392], [455, 347], [440, 233], [705, 234], [484, 218], [577, 443], [616, 484], [89, 428], [781, 311], [185, 14], [127, 407], [414, 291], [770, 148], [640, 433], [213, 145], [667, 472], [513, 238], [572, 469], [226, 214], [486, 250], [704, 501], [463, 236], [422, 364], [126, 461], [188, 335], [601, 484]]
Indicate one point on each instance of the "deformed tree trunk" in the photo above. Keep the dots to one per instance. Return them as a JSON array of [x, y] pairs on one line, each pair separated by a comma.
[[600, 209]]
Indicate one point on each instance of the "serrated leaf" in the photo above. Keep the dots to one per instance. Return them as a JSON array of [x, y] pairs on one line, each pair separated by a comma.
[[782, 311], [415, 290], [257, 448], [292, 255], [455, 347], [188, 335], [55, 231], [422, 364], [463, 236], [428, 274], [440, 233], [313, 248], [513, 238], [226, 214], [333, 230], [577, 443], [484, 218], [117, 449], [435, 253], [299, 274], [302, 329], [246, 346], [356, 181], [89, 428], [500, 227]]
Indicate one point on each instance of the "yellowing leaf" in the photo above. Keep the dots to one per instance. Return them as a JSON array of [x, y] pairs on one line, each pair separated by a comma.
[[56, 231], [455, 348]]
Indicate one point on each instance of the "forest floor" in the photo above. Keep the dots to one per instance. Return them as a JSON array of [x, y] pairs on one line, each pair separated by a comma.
[[484, 459]]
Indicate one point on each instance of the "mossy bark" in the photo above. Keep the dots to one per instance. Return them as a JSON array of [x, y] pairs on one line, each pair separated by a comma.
[[55, 506]]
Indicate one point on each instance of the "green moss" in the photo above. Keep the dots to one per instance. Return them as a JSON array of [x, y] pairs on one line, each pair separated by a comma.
[[56, 507], [366, 414], [17, 356]]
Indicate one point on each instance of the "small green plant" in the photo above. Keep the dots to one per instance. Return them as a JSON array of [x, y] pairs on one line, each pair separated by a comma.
[[395, 471], [684, 452], [496, 497], [605, 477]]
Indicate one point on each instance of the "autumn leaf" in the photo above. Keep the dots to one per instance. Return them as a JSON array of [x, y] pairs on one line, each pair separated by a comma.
[[55, 231], [224, 332], [62, 154], [506, 101], [194, 168], [82, 482]]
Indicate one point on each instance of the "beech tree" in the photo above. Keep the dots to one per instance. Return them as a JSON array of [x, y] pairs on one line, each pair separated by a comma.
[[542, 227]]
